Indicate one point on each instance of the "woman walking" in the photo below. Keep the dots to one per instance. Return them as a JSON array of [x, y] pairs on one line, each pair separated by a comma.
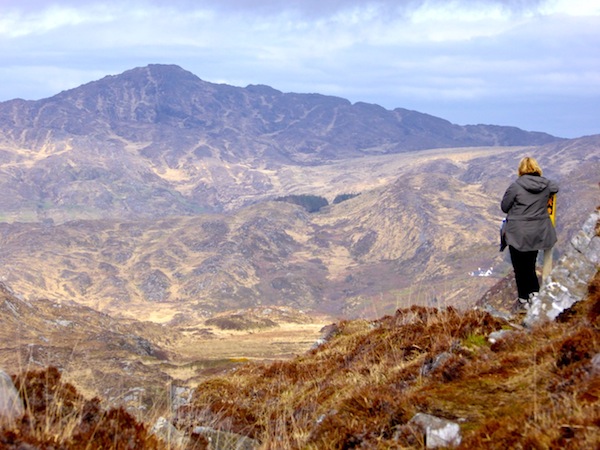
[[528, 228]]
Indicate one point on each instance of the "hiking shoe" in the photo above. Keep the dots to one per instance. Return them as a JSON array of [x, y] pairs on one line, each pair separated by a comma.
[[521, 305]]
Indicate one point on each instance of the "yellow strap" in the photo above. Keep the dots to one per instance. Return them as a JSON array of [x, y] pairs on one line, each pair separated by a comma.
[[552, 208]]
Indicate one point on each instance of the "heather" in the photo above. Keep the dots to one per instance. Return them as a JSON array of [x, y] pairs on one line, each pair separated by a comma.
[[530, 388]]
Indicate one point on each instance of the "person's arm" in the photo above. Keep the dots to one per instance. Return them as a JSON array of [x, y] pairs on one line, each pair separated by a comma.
[[508, 199], [553, 187]]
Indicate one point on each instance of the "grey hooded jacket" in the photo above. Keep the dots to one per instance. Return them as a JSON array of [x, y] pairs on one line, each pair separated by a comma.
[[528, 224]]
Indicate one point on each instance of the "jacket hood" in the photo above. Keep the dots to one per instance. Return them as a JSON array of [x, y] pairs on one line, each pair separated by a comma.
[[533, 183]]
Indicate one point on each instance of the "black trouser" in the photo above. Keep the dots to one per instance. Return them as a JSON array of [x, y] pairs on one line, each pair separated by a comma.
[[524, 267]]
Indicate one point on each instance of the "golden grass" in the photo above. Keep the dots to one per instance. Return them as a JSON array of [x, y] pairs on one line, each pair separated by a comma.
[[58, 417], [535, 389]]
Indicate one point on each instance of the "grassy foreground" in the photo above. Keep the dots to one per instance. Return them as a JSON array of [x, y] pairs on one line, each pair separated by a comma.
[[535, 389], [531, 389]]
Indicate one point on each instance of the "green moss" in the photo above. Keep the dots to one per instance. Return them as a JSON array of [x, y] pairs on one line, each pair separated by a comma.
[[475, 341]]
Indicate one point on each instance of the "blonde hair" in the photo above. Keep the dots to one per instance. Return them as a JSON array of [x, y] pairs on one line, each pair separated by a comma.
[[529, 166]]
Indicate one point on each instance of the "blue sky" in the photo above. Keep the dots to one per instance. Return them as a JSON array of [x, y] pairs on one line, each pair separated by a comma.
[[534, 64]]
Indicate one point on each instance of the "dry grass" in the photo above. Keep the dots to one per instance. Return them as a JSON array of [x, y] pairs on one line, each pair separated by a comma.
[[57, 417], [535, 389]]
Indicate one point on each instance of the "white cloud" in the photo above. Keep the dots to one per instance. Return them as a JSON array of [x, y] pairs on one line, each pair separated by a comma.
[[412, 53], [14, 24], [571, 7]]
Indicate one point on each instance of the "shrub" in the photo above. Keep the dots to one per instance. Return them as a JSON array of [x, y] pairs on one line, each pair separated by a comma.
[[57, 416], [343, 197], [312, 203], [239, 322]]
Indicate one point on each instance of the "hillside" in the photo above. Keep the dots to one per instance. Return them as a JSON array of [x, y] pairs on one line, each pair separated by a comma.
[[361, 389], [485, 381], [130, 363], [149, 194], [157, 141], [422, 224]]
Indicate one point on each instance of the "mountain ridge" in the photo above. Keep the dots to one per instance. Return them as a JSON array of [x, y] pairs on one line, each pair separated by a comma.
[[153, 188], [167, 93], [158, 140]]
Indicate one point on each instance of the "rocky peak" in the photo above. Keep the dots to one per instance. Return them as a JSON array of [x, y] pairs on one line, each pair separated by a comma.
[[301, 126]]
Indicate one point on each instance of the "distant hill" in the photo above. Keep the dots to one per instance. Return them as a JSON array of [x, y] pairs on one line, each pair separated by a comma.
[[419, 377], [148, 194], [417, 238], [157, 141], [92, 347]]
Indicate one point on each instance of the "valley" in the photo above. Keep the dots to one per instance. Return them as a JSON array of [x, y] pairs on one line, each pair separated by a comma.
[[141, 246], [421, 224]]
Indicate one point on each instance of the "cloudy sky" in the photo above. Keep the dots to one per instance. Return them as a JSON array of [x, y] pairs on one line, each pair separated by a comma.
[[534, 64]]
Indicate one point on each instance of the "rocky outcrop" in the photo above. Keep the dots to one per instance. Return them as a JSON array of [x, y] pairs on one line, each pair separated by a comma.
[[568, 281], [223, 440], [11, 406], [212, 438], [437, 432]]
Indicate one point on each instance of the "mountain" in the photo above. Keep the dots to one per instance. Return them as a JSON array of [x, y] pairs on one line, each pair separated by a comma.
[[158, 141], [141, 250], [148, 194], [417, 238]]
